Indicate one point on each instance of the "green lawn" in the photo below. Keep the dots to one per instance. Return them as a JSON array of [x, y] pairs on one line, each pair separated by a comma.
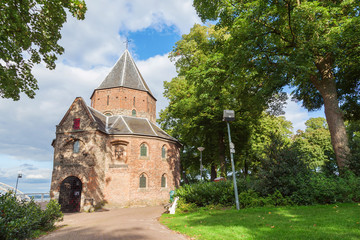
[[340, 221]]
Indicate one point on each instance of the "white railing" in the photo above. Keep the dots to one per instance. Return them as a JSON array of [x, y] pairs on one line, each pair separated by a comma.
[[32, 195]]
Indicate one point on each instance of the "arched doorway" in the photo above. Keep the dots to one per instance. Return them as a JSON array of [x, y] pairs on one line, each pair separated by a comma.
[[70, 194]]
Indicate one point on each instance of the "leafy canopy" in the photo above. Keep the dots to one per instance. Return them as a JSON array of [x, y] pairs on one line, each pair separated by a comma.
[[29, 34]]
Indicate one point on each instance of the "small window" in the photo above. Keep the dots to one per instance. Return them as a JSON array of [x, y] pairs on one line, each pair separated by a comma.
[[108, 114], [134, 113], [143, 150], [163, 152], [108, 98], [163, 181], [76, 123], [134, 102], [76, 146], [142, 181]]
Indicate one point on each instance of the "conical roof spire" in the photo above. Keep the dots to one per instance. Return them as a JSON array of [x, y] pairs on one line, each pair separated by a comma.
[[125, 74]]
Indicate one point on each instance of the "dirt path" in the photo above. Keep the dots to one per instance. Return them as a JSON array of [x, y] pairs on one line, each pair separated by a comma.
[[126, 223]]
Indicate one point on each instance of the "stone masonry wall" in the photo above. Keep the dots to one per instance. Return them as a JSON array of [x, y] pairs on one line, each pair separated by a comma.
[[87, 164]]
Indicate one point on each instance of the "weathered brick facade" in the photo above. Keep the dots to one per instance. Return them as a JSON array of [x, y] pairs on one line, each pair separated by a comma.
[[100, 158]]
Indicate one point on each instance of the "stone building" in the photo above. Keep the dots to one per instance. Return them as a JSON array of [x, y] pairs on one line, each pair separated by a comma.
[[113, 152]]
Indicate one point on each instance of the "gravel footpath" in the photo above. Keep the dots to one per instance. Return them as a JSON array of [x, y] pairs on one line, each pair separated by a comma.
[[124, 223]]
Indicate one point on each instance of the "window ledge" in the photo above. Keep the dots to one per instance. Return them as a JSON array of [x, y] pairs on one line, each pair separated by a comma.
[[143, 190]]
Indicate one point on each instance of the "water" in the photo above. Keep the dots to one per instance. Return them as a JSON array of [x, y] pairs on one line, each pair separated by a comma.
[[37, 197]]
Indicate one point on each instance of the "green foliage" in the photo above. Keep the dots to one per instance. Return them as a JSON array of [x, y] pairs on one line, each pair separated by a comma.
[[315, 144], [251, 198], [262, 132], [210, 193], [204, 87], [29, 34], [281, 169], [321, 189], [354, 140], [50, 215], [184, 206], [311, 46], [336, 222], [21, 219]]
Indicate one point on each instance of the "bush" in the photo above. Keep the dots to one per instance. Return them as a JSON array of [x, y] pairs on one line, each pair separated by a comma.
[[183, 206], [20, 219], [251, 198], [210, 193]]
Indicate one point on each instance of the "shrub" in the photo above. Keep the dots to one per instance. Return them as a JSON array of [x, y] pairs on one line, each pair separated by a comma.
[[183, 206], [20, 219], [251, 198], [210, 193]]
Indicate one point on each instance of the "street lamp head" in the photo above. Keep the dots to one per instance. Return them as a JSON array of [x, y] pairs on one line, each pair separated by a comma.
[[229, 115], [201, 149]]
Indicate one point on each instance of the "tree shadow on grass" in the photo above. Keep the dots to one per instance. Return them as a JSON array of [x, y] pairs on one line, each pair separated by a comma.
[[316, 222]]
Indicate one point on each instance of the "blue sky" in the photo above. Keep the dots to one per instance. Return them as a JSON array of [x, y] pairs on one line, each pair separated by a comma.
[[92, 46]]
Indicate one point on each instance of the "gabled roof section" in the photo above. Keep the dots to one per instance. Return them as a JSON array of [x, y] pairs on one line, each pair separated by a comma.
[[126, 125], [125, 74], [83, 104]]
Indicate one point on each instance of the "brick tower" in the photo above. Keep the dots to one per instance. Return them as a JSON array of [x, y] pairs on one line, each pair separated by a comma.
[[124, 92], [113, 152]]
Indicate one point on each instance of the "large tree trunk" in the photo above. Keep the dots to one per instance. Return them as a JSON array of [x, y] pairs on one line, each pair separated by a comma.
[[334, 117]]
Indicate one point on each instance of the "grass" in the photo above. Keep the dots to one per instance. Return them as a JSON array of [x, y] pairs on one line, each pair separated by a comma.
[[340, 221]]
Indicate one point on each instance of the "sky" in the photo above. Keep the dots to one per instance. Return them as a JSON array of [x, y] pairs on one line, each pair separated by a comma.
[[92, 47]]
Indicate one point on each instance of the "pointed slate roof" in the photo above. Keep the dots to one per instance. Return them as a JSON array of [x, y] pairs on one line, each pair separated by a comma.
[[125, 74]]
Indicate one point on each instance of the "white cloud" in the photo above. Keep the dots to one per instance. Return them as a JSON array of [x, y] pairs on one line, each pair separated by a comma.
[[155, 71], [296, 114], [96, 40], [92, 46]]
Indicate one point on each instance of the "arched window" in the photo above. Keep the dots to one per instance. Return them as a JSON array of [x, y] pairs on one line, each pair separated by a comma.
[[163, 181], [143, 150], [108, 98], [163, 152], [134, 102], [142, 183], [76, 146], [134, 113], [108, 114]]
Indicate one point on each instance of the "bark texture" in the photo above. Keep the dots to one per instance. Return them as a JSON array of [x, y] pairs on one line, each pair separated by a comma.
[[334, 116]]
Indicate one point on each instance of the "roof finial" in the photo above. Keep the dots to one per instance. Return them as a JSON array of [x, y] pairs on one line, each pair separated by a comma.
[[127, 43]]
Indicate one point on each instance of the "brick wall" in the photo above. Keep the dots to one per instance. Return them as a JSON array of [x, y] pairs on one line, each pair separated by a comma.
[[107, 175], [122, 179], [122, 101]]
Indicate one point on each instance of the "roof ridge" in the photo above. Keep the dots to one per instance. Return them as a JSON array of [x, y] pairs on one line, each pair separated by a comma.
[[139, 75], [151, 127], [106, 124], [123, 70], [122, 117], [118, 116], [125, 73]]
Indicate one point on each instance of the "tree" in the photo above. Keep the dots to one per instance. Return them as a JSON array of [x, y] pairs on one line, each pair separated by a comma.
[[261, 137], [29, 32], [315, 144], [204, 87], [309, 45]]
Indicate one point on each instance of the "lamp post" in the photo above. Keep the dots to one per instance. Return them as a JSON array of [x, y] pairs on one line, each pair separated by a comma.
[[229, 115], [17, 180], [201, 166]]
